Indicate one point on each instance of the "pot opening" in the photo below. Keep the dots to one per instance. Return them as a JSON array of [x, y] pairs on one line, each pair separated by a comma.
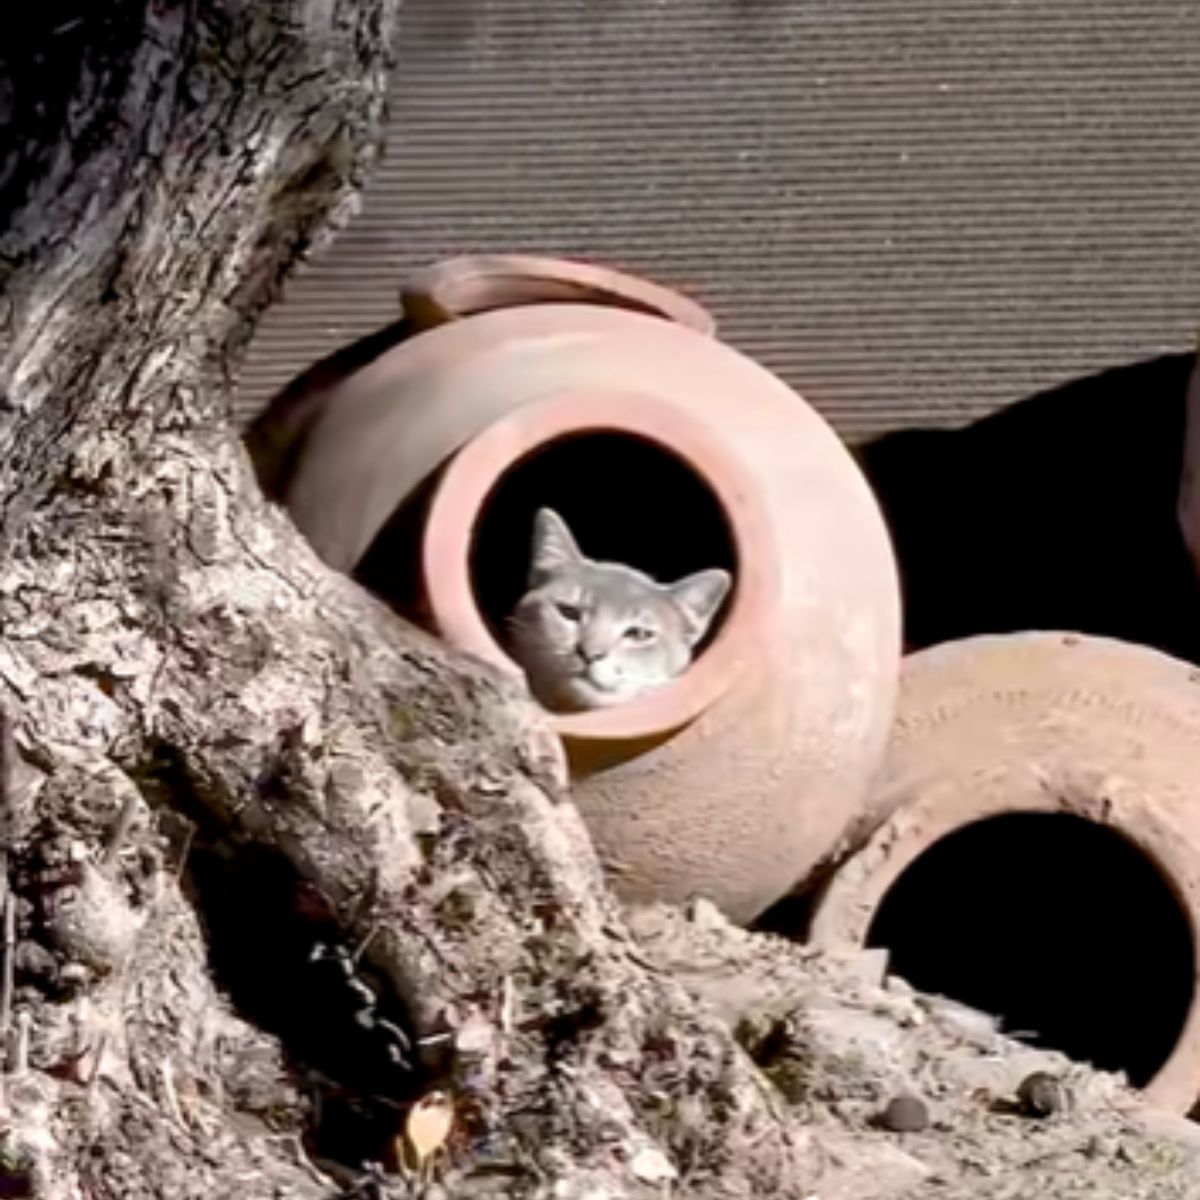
[[626, 499], [1058, 925]]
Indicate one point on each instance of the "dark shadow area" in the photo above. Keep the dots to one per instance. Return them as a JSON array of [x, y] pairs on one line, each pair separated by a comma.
[[391, 566], [1056, 513], [1056, 924], [54, 53], [276, 950], [626, 500]]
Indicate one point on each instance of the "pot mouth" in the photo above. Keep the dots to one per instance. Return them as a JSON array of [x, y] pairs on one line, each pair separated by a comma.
[[463, 287], [471, 479], [866, 903]]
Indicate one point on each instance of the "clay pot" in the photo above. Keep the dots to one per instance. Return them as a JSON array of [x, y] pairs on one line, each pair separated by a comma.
[[664, 449], [992, 736]]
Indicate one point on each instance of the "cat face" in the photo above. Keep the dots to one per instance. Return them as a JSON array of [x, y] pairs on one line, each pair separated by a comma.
[[593, 634]]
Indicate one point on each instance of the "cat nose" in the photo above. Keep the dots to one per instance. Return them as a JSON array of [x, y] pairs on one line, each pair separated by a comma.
[[589, 654]]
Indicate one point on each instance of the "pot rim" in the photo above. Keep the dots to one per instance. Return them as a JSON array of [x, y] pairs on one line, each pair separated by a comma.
[[472, 475], [456, 288], [844, 912]]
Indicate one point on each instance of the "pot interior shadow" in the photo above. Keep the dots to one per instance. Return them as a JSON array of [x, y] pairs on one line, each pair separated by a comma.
[[1055, 513], [1056, 924]]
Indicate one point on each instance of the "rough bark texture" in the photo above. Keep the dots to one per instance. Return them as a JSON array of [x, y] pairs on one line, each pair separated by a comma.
[[224, 755], [223, 765]]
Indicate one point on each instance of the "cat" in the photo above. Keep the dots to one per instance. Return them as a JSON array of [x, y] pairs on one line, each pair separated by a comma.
[[594, 634]]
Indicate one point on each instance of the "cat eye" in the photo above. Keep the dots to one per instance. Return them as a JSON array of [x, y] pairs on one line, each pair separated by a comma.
[[639, 633], [569, 612]]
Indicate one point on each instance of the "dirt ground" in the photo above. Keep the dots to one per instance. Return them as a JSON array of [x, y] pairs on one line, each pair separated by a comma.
[[840, 1040]]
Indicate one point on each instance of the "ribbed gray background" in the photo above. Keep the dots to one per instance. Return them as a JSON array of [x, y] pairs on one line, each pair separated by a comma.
[[915, 211]]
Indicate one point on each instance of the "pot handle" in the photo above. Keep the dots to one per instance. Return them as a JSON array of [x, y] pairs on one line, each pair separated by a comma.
[[462, 287]]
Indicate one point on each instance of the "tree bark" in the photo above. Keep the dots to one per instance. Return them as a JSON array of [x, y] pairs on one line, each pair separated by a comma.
[[226, 759]]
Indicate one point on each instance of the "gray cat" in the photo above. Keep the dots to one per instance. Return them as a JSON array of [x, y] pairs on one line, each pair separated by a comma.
[[593, 634]]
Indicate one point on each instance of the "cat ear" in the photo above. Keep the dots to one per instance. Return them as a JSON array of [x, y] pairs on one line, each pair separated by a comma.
[[698, 598], [554, 548]]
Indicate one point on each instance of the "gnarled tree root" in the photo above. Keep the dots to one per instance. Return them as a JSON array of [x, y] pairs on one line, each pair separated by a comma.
[[276, 865]]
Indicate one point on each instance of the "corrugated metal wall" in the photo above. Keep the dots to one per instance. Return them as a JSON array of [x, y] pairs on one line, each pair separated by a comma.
[[913, 210]]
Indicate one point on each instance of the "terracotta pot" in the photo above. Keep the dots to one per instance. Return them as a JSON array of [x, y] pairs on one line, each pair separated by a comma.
[[653, 440], [993, 728]]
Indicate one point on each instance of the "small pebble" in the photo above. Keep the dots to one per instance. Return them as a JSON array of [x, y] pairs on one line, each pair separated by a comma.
[[905, 1114], [1041, 1095]]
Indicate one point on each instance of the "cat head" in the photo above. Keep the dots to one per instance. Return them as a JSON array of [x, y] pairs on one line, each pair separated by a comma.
[[592, 634]]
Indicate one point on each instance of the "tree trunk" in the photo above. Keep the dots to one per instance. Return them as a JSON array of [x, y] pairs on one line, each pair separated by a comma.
[[228, 764]]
